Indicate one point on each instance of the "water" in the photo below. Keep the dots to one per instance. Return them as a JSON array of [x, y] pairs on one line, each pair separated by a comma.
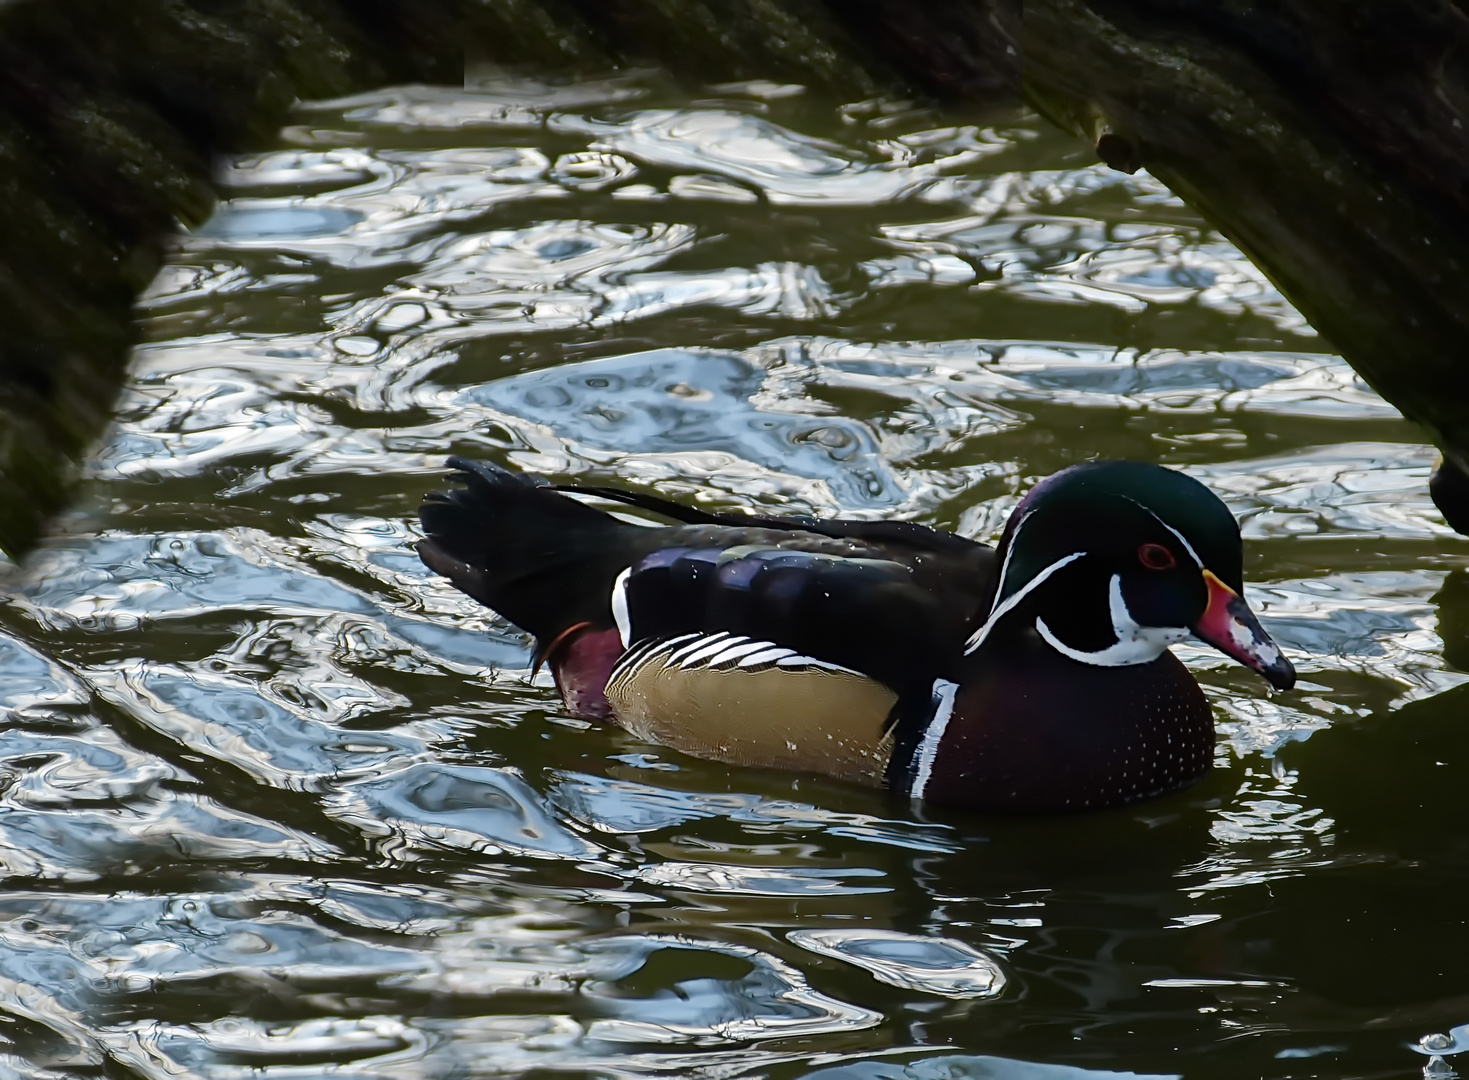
[[279, 803]]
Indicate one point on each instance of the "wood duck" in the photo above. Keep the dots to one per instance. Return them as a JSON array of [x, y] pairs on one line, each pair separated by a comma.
[[1034, 677]]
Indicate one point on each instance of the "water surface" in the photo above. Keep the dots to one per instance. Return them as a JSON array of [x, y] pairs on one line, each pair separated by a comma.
[[276, 802]]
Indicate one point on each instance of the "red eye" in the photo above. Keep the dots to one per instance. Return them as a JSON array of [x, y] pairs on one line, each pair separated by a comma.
[[1155, 557]]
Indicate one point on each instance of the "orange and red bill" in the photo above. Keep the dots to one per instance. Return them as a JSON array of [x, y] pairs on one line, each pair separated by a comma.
[[1230, 626]]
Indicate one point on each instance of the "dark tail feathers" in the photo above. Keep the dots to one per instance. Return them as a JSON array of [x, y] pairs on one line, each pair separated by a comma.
[[544, 561]]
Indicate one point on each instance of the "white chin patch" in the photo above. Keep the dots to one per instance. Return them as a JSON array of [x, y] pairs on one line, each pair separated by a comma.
[[1135, 644]]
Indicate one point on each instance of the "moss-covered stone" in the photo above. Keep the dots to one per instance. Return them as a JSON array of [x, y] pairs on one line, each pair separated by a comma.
[[110, 117]]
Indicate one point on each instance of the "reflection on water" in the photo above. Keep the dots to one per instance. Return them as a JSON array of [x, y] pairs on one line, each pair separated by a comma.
[[275, 801], [914, 962]]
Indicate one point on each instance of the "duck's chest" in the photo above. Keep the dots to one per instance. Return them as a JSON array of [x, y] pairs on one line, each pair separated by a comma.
[[1035, 732]]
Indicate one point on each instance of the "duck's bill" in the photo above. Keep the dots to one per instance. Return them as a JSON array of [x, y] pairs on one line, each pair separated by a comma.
[[1230, 626]]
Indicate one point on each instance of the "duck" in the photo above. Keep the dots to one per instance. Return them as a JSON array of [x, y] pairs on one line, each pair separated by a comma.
[[1030, 677]]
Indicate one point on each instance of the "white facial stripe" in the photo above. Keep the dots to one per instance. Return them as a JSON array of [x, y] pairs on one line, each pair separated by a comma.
[[619, 607], [1192, 554], [1005, 566], [1134, 645], [928, 746], [1001, 610]]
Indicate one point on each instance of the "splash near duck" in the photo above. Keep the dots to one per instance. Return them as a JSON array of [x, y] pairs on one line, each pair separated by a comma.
[[1033, 677]]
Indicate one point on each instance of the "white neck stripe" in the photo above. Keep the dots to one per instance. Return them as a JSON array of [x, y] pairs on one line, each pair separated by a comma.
[[1001, 610], [928, 748]]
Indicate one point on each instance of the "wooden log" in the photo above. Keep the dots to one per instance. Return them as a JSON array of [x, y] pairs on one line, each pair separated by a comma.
[[110, 116], [1327, 141], [1330, 142]]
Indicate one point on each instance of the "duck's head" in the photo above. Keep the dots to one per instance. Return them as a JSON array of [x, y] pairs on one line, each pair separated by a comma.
[[1113, 561]]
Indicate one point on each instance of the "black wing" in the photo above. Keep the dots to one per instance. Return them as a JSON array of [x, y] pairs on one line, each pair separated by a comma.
[[868, 614], [959, 569], [905, 533], [546, 561]]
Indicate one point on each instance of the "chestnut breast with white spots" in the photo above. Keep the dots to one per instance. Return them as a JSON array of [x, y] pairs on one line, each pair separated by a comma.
[[1033, 731]]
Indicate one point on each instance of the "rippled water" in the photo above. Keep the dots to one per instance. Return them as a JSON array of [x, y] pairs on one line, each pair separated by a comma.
[[276, 802]]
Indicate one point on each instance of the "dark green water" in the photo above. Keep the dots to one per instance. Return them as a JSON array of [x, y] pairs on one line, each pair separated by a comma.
[[275, 802]]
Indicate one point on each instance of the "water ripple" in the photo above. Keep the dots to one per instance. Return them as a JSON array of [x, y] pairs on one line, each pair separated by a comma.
[[933, 965], [741, 994], [489, 811], [276, 801]]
